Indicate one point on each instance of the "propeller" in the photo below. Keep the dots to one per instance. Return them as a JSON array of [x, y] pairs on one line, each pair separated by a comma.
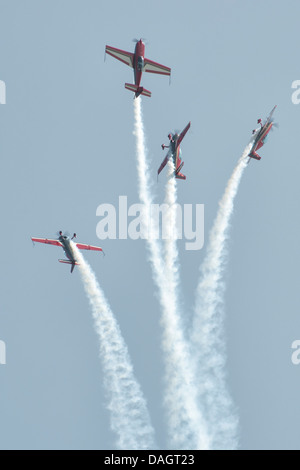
[[137, 40], [60, 233], [172, 133]]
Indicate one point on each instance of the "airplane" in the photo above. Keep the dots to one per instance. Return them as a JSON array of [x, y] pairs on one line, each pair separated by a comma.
[[261, 135], [174, 152], [140, 64], [64, 242]]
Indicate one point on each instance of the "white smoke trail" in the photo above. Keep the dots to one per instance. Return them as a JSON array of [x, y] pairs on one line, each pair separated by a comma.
[[170, 246], [129, 415], [208, 336], [186, 425]]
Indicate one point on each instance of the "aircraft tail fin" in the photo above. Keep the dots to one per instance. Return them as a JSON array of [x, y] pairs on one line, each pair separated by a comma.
[[138, 90]]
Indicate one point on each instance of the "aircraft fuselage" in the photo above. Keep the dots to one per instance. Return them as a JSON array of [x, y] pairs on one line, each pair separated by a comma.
[[66, 245], [138, 62]]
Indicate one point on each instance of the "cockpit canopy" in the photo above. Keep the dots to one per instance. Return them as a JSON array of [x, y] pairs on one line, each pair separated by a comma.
[[140, 64]]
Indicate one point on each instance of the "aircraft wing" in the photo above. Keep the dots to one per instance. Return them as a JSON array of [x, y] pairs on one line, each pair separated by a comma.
[[154, 67], [183, 133], [163, 164], [81, 246], [47, 241], [123, 56], [271, 114]]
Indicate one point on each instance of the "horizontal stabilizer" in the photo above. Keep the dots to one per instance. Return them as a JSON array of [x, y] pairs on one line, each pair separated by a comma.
[[138, 90], [255, 155], [66, 261]]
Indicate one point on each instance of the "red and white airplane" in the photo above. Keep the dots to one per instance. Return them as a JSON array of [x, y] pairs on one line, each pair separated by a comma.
[[261, 135], [64, 242], [140, 64], [174, 152]]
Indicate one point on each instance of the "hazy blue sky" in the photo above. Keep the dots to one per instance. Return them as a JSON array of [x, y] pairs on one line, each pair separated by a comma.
[[67, 146]]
